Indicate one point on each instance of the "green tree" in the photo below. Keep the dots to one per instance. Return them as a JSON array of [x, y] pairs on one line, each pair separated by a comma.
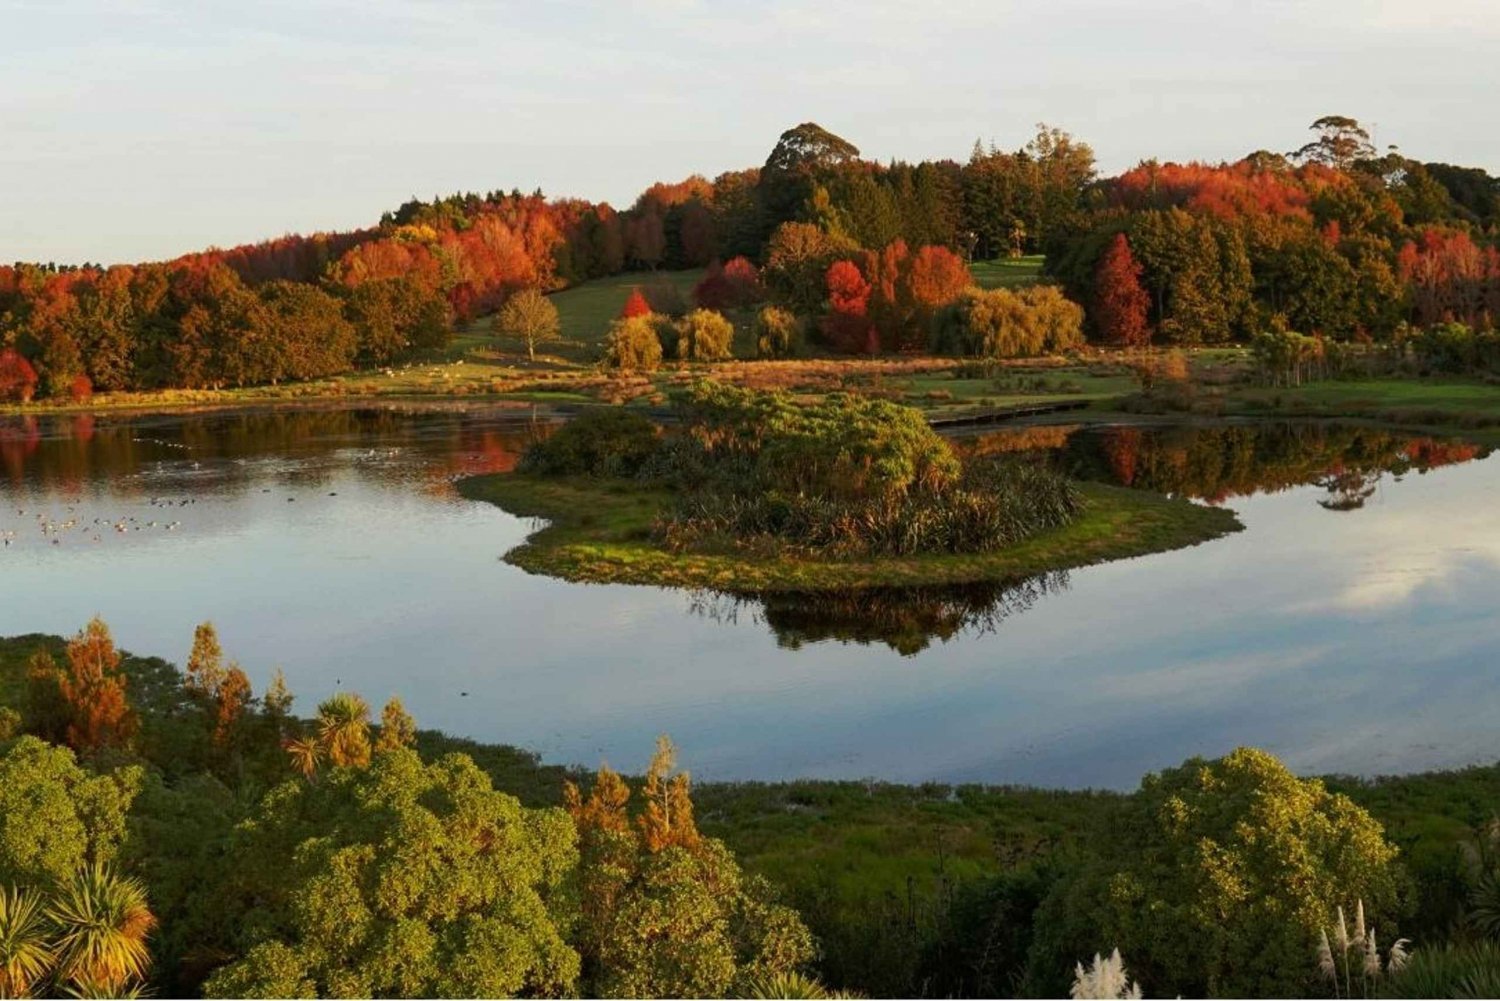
[[404, 879], [1216, 879], [530, 316], [1341, 141], [55, 817]]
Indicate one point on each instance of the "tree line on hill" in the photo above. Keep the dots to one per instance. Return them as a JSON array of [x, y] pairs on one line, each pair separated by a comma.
[[1331, 240]]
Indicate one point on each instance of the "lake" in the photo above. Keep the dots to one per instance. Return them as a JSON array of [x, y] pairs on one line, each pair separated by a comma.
[[1349, 628]]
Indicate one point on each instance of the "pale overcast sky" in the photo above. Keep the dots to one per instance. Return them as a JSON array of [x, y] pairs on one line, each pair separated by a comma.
[[141, 130]]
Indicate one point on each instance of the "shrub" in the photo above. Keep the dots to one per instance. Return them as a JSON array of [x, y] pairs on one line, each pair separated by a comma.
[[703, 335], [1469, 970], [633, 344], [778, 333], [665, 297], [81, 389], [1217, 879], [606, 442], [1456, 349], [1005, 323], [848, 475]]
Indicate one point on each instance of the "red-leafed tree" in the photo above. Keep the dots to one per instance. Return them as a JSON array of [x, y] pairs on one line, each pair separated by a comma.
[[1120, 301], [847, 326], [714, 291], [17, 377], [744, 281], [635, 306]]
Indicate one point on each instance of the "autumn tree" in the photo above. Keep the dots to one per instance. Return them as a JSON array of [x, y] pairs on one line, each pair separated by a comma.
[[397, 728], [530, 316], [797, 260], [665, 911], [703, 335], [778, 332], [93, 687], [633, 344], [635, 305], [847, 325], [1120, 302], [205, 667], [18, 378]]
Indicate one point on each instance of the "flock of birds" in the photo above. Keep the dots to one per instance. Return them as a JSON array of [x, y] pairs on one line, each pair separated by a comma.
[[55, 530]]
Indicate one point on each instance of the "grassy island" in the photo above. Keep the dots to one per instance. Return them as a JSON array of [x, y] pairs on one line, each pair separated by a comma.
[[713, 505]]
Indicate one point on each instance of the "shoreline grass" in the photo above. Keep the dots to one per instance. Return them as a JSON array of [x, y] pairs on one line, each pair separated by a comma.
[[599, 532]]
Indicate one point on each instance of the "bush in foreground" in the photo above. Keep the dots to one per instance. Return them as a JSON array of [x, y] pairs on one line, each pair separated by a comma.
[[1218, 878]]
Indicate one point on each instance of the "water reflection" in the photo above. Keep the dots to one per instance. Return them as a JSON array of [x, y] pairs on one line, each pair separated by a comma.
[[1216, 463], [905, 619]]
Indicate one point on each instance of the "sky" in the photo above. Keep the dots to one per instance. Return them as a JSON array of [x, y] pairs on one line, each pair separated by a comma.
[[142, 130]]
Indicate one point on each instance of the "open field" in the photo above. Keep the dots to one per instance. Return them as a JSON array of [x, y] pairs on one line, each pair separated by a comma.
[[1007, 272]]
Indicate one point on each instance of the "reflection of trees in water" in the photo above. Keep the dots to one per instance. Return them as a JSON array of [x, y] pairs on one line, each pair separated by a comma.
[[1215, 463], [906, 619], [66, 453]]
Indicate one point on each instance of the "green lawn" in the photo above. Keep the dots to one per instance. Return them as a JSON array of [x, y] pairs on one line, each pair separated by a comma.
[[586, 310], [1007, 272]]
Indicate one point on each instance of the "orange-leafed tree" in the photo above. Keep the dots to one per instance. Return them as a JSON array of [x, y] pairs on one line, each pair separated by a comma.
[[231, 700], [1120, 301], [17, 377], [205, 667], [93, 690], [667, 818], [635, 305]]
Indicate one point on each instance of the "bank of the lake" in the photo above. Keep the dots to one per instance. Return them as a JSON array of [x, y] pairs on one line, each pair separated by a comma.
[[599, 531]]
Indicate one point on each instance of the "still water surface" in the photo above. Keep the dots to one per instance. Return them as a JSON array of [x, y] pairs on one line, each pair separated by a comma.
[[1350, 628]]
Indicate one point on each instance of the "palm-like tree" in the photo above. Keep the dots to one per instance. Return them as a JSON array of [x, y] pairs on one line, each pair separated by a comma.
[[344, 729], [306, 754], [26, 953], [102, 922]]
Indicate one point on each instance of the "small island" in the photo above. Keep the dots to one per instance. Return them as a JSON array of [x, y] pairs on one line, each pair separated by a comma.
[[753, 492]]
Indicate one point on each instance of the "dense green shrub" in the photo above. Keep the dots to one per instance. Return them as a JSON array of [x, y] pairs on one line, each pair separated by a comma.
[[1006, 323], [1456, 349], [703, 335], [604, 442], [778, 333], [1216, 880], [849, 475], [842, 446], [633, 344]]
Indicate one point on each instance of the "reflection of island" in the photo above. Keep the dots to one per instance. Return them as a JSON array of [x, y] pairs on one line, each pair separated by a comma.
[[1215, 463], [905, 619]]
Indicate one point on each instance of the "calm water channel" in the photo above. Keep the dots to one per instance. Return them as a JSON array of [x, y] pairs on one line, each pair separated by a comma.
[[1349, 628]]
